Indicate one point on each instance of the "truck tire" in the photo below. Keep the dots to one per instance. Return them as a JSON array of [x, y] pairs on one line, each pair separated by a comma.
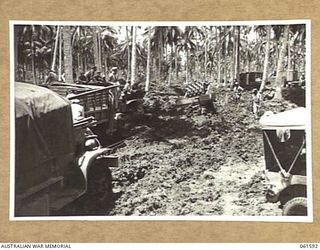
[[296, 207], [100, 183]]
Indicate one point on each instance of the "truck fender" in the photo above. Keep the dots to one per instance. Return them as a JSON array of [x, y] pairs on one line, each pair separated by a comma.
[[85, 162], [295, 190]]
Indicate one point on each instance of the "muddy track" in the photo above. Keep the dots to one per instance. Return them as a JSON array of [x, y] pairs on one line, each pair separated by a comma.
[[176, 161], [187, 163]]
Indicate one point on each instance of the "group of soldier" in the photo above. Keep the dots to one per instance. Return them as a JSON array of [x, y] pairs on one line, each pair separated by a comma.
[[94, 76], [90, 77]]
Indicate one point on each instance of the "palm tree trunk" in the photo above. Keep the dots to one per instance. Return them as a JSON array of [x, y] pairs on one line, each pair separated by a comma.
[[237, 68], [106, 66], [170, 65], [197, 59], [257, 54], [233, 54], [187, 67], [34, 74], [24, 71], [159, 65], [154, 66], [266, 59], [148, 61], [277, 54], [176, 61], [60, 57], [165, 51], [53, 65], [161, 57], [67, 49], [225, 61], [99, 51], [78, 64], [289, 53], [133, 59], [219, 55], [97, 56], [280, 67], [205, 57], [129, 58], [84, 63], [294, 62]]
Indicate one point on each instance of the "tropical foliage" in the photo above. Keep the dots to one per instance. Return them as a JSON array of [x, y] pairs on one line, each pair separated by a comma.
[[162, 54]]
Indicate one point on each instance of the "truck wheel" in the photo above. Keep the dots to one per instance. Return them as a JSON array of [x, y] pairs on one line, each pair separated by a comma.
[[100, 182], [296, 207]]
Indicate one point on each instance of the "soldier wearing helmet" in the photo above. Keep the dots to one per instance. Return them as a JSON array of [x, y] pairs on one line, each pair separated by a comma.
[[113, 77]]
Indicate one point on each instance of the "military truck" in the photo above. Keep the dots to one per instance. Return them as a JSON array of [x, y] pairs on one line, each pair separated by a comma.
[[251, 80], [101, 102], [57, 158], [285, 153]]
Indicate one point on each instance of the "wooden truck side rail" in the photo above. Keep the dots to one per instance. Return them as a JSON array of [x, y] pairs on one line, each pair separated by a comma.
[[98, 101]]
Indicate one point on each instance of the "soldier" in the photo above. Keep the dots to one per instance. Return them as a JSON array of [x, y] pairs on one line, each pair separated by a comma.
[[302, 80], [98, 78], [118, 94], [76, 109], [113, 77], [268, 92], [237, 90], [256, 99], [82, 78], [51, 77], [90, 74]]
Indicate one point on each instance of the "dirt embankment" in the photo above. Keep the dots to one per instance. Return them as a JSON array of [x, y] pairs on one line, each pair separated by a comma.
[[182, 162]]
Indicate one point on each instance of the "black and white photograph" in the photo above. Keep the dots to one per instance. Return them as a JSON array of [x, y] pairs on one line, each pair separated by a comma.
[[161, 121]]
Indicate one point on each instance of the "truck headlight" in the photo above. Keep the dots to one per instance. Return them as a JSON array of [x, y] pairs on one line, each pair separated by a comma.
[[91, 144]]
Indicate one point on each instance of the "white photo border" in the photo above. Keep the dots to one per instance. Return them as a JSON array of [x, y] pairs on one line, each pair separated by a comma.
[[308, 218]]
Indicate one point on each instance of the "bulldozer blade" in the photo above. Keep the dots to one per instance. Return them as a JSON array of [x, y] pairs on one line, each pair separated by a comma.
[[186, 101]]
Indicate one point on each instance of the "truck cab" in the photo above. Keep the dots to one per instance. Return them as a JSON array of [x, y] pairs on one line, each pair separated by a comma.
[[284, 140]]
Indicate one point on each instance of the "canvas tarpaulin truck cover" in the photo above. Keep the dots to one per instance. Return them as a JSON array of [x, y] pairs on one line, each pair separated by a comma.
[[44, 141]]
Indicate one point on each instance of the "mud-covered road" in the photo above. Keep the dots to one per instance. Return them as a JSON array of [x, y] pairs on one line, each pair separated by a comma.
[[182, 162]]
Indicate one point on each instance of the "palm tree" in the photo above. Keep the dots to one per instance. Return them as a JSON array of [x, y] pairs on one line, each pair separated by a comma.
[[206, 31], [34, 47], [67, 52], [60, 56], [280, 67], [158, 39], [233, 67], [53, 65], [82, 47], [296, 46], [173, 36], [148, 60], [96, 47], [266, 58], [93, 46], [237, 54], [108, 44], [164, 39], [122, 54], [187, 45], [226, 42], [123, 51], [133, 57], [218, 34]]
